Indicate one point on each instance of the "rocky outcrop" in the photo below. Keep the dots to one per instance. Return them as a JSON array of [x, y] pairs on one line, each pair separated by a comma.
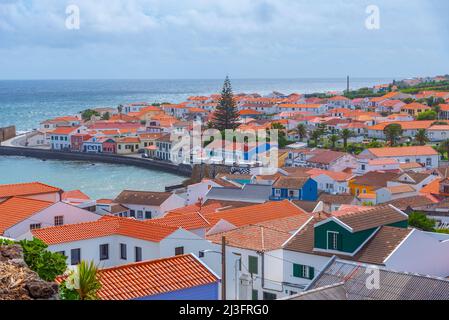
[[18, 282]]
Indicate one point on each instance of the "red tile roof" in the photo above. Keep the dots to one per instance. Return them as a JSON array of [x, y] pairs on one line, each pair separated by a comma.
[[189, 221], [64, 130], [404, 151], [204, 209], [153, 277], [16, 209], [253, 237], [106, 226], [25, 189], [256, 213], [74, 194]]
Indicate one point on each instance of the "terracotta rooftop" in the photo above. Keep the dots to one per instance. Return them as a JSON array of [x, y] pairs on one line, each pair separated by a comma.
[[372, 218], [74, 194], [337, 176], [142, 197], [290, 182], [375, 178], [256, 213], [64, 130], [327, 157], [253, 237], [153, 277], [188, 221], [105, 226], [412, 202], [25, 189], [16, 209]]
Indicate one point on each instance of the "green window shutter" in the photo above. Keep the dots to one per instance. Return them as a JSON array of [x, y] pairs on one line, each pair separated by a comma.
[[252, 265], [255, 295], [311, 273], [298, 270], [330, 240], [339, 242]]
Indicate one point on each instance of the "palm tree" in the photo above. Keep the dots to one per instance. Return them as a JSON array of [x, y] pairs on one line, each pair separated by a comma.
[[88, 281], [445, 145], [421, 137], [333, 139], [393, 132], [315, 136], [345, 135], [302, 131]]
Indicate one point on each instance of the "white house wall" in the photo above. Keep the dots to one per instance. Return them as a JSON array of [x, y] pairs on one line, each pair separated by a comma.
[[46, 217]]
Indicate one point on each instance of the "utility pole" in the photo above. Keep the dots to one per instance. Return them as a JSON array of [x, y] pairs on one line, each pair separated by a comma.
[[223, 268]]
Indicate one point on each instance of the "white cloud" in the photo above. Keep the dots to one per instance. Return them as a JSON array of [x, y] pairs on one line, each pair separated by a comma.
[[249, 33]]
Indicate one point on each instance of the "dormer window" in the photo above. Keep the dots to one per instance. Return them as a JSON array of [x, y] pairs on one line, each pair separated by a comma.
[[333, 241]]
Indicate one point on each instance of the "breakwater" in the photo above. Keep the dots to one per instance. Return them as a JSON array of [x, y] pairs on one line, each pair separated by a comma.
[[182, 169]]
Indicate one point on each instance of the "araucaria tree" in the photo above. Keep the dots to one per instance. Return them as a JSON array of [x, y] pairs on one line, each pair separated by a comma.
[[226, 115], [393, 133]]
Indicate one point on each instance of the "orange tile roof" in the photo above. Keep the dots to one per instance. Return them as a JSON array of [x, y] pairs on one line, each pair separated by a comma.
[[432, 188], [62, 119], [153, 277], [74, 194], [439, 127], [257, 213], [105, 226], [415, 106], [338, 176], [249, 112], [300, 106], [25, 189], [205, 209], [16, 209], [189, 221], [406, 125], [105, 201], [253, 237], [63, 130], [129, 140], [403, 151]]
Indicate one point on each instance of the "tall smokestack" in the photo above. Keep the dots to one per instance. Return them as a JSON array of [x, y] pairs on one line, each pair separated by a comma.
[[347, 84]]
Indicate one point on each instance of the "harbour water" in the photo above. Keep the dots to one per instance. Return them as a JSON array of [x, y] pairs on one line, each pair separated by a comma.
[[98, 180], [26, 103]]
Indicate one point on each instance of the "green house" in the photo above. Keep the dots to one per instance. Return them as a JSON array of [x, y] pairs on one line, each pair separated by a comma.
[[347, 234]]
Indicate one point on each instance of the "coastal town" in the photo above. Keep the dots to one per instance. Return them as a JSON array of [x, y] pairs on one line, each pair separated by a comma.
[[356, 205]]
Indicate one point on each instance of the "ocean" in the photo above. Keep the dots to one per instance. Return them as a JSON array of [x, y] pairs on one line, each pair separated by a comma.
[[26, 103]]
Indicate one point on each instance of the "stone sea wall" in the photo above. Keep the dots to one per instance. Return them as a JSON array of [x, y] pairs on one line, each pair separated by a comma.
[[183, 170]]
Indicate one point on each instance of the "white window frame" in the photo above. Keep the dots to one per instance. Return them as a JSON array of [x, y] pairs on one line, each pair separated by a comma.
[[334, 240]]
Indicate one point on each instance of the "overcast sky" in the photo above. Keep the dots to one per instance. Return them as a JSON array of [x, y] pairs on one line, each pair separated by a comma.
[[212, 38]]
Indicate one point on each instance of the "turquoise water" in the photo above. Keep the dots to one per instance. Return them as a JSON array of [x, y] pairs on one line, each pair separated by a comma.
[[98, 181]]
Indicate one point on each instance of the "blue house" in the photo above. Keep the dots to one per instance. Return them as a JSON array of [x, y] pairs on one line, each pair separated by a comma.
[[182, 277], [294, 188]]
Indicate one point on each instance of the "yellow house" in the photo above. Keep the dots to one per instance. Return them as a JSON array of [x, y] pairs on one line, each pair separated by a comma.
[[282, 156], [370, 182], [128, 145]]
